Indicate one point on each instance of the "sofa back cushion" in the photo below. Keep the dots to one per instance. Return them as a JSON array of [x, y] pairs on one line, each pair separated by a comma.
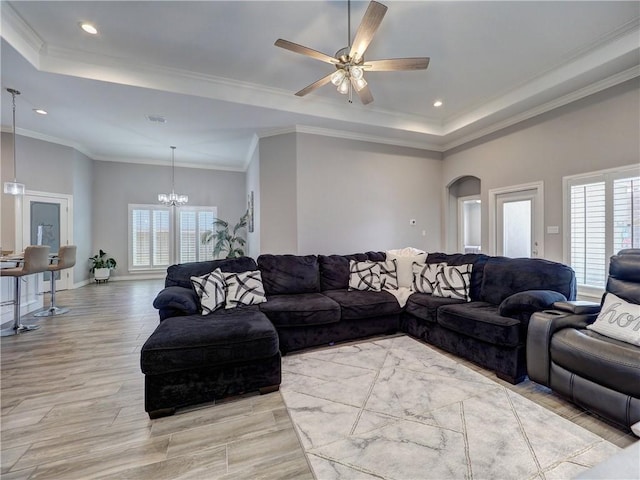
[[334, 269], [289, 274], [624, 275], [478, 260], [505, 276], [180, 275]]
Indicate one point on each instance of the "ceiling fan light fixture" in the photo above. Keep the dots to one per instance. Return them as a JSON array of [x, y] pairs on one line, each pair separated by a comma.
[[343, 88], [338, 77], [359, 83], [356, 72]]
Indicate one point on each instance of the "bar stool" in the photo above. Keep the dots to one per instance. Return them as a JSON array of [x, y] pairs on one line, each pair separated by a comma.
[[66, 259], [36, 260]]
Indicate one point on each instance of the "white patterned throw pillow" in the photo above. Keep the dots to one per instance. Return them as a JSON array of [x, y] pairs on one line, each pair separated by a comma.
[[618, 319], [211, 289], [454, 282], [244, 289], [364, 276], [389, 274], [425, 276]]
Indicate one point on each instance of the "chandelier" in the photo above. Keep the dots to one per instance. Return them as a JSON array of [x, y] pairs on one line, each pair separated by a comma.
[[172, 199], [14, 188]]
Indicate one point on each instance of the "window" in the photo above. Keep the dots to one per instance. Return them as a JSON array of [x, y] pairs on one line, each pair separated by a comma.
[[159, 237], [603, 218], [193, 222]]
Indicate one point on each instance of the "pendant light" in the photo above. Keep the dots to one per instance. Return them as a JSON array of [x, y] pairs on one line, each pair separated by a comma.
[[172, 199], [14, 188]]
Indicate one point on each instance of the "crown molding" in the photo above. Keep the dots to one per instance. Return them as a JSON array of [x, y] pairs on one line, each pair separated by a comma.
[[53, 59], [621, 42], [20, 35], [548, 106]]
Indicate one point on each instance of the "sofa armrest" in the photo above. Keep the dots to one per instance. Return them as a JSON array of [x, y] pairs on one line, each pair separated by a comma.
[[178, 299], [529, 301], [578, 307], [542, 326]]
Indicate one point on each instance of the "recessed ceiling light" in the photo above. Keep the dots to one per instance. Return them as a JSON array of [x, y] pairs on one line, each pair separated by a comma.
[[156, 118], [89, 28], [40, 111], [437, 103]]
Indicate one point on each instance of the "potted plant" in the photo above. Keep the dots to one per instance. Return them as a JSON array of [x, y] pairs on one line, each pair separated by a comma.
[[225, 241], [101, 266]]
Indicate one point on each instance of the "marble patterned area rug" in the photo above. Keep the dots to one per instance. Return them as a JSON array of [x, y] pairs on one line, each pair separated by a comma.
[[394, 408]]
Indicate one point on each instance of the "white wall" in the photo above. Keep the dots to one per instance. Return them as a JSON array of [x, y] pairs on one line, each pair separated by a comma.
[[253, 185], [595, 133]]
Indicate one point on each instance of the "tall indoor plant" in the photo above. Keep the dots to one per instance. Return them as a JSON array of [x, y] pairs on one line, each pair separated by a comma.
[[232, 242]]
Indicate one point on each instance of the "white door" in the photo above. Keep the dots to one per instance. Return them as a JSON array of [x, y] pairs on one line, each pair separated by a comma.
[[518, 221], [45, 221], [469, 224]]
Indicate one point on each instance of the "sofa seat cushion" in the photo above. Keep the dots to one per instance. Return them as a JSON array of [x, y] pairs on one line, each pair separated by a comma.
[[425, 305], [606, 361], [482, 321], [301, 310], [197, 341], [356, 304]]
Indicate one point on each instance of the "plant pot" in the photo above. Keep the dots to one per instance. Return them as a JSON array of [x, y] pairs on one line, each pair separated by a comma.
[[101, 274]]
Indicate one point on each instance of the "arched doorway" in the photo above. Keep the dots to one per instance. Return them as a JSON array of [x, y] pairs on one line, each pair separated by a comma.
[[465, 215]]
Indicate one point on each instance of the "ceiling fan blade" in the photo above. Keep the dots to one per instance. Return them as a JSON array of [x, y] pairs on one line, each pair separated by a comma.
[[314, 85], [367, 29], [294, 47], [364, 93], [393, 64]]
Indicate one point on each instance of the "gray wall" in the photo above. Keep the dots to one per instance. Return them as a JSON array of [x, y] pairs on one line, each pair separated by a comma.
[[278, 192], [115, 185], [51, 168], [595, 133], [316, 194], [102, 191], [355, 196]]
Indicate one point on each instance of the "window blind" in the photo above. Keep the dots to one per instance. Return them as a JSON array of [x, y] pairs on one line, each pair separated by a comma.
[[604, 217]]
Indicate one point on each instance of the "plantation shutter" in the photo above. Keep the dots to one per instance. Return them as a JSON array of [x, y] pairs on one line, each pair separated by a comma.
[[188, 252], [141, 238], [626, 213], [205, 222], [588, 225], [161, 238], [604, 218], [192, 222]]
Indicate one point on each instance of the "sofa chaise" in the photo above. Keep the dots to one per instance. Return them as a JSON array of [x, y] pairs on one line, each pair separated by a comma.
[[310, 300]]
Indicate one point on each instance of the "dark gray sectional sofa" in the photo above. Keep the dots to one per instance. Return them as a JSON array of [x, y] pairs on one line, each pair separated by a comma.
[[309, 304]]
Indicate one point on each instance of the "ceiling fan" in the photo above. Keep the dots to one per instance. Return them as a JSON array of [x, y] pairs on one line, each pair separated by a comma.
[[349, 61]]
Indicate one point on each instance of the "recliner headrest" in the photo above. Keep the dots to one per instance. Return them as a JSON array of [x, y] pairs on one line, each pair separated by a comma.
[[624, 275]]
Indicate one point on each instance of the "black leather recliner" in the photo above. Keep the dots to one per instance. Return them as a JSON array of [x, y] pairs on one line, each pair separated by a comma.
[[596, 372]]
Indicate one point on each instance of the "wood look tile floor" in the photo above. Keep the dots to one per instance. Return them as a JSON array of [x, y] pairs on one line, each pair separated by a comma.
[[72, 404]]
